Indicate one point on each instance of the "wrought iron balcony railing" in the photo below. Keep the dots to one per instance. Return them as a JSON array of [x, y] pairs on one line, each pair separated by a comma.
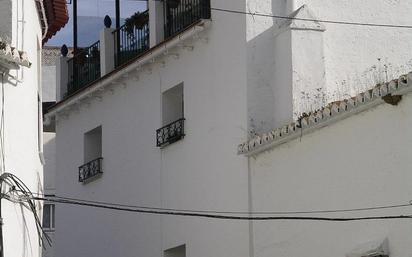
[[131, 39], [180, 14], [170, 133], [90, 169], [84, 68]]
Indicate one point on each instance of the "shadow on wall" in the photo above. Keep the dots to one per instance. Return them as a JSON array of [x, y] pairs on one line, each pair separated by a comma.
[[261, 65], [267, 92], [261, 61]]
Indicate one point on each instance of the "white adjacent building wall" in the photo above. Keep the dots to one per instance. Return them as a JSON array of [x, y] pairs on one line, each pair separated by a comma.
[[359, 162], [49, 58], [19, 24], [295, 67], [195, 172], [244, 75]]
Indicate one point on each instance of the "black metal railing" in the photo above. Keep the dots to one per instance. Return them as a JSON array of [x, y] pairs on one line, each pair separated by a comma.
[[180, 14], [90, 169], [84, 68], [170, 133], [131, 39]]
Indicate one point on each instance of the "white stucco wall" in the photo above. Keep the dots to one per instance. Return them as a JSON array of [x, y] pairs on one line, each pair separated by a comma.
[[6, 20], [49, 149], [21, 126], [362, 161], [355, 57], [49, 83], [234, 85], [194, 173]]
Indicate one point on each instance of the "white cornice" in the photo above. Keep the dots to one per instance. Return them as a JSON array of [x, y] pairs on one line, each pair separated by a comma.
[[329, 114]]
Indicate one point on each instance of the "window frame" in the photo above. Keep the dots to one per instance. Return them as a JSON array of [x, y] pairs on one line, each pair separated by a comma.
[[52, 217]]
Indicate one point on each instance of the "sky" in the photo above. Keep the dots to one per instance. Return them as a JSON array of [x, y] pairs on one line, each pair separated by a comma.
[[90, 20]]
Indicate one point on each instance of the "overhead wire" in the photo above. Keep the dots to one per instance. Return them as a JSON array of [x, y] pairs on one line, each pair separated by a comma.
[[311, 20], [381, 207], [20, 193], [221, 216]]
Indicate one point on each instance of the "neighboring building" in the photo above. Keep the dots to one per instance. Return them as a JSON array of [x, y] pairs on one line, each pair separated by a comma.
[[352, 154], [154, 120], [50, 55], [49, 58], [24, 27]]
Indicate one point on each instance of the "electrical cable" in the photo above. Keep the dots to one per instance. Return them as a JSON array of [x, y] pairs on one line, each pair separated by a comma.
[[234, 212], [311, 20], [24, 196], [225, 217]]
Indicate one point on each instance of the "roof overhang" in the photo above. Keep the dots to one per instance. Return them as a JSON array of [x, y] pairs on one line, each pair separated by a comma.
[[53, 16]]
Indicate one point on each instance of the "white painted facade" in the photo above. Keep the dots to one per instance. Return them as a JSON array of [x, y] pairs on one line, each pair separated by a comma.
[[20, 27], [282, 56], [49, 57], [241, 75], [359, 162], [187, 173]]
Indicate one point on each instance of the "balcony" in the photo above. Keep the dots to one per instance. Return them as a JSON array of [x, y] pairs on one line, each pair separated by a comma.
[[170, 133], [132, 39], [126, 43], [180, 14], [90, 170], [84, 68]]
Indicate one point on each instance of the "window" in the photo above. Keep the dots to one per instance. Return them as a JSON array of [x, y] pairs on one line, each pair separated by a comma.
[[172, 117], [172, 104], [93, 144], [51, 126], [179, 251], [92, 166], [48, 216]]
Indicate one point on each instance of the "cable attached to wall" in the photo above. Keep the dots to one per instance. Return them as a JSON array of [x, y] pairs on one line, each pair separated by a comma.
[[19, 193]]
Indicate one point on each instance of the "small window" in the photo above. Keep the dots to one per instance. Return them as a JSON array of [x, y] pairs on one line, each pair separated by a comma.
[[172, 104], [179, 251], [51, 125], [92, 167], [172, 117], [93, 144], [48, 216]]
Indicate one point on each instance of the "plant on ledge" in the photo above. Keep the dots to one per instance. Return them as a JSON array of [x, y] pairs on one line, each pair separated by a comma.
[[137, 20]]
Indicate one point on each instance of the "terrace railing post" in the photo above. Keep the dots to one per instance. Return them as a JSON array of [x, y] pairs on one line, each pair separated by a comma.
[[62, 77], [156, 22], [107, 51]]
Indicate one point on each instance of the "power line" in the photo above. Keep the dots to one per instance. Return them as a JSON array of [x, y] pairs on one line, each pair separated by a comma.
[[235, 212], [21, 194], [312, 20], [224, 217]]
